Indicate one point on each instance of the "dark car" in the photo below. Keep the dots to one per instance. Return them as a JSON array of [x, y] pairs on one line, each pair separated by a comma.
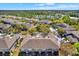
[[7, 53], [1, 53]]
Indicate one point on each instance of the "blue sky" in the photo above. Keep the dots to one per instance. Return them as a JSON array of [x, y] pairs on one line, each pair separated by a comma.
[[39, 6]]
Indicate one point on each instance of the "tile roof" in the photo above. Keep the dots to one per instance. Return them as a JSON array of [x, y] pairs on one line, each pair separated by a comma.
[[39, 44], [7, 42], [3, 44]]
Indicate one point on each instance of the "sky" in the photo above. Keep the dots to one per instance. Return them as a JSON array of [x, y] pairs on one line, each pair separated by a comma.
[[39, 6]]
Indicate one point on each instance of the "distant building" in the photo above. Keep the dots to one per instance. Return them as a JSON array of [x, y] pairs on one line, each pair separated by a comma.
[[4, 26], [45, 21], [72, 39], [28, 25], [71, 32], [74, 18], [75, 35]]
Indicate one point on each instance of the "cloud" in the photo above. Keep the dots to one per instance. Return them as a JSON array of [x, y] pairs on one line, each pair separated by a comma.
[[68, 7], [56, 6], [45, 4]]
